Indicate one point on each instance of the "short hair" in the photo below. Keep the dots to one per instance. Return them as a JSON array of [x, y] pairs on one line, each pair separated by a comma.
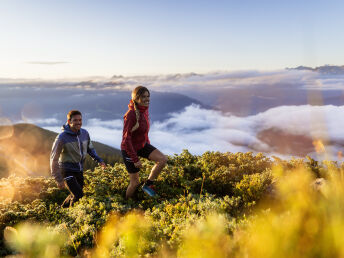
[[73, 113]]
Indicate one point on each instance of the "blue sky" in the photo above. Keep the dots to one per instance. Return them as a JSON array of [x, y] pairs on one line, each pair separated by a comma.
[[66, 39]]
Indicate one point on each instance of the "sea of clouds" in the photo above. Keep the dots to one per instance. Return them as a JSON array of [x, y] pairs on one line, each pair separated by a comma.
[[200, 130], [245, 104]]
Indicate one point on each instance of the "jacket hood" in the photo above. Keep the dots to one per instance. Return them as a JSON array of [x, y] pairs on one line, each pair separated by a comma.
[[66, 128]]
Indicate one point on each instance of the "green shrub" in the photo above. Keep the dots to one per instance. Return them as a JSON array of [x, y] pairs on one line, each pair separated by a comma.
[[252, 187], [191, 189]]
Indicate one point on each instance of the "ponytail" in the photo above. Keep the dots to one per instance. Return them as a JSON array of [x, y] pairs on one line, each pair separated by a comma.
[[137, 113]]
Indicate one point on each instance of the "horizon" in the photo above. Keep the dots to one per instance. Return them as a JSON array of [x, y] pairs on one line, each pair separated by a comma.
[[103, 77]]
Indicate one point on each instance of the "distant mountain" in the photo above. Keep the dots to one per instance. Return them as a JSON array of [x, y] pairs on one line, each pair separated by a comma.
[[325, 69], [39, 103], [25, 150]]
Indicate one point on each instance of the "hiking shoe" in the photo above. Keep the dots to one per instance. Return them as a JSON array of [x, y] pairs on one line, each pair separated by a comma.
[[149, 190]]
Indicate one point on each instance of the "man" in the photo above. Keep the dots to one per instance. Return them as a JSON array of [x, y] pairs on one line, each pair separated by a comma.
[[68, 155]]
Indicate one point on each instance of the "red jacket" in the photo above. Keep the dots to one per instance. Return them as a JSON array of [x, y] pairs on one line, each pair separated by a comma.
[[133, 141]]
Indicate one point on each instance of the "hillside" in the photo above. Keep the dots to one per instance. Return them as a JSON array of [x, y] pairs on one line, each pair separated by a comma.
[[25, 150], [213, 205]]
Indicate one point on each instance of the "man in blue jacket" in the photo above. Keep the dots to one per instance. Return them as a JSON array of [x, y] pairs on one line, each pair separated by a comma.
[[68, 155]]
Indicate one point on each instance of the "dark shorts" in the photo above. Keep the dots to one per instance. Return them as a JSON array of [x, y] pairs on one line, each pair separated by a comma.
[[144, 153]]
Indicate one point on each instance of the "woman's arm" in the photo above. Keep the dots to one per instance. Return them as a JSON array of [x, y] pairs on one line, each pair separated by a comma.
[[129, 122]]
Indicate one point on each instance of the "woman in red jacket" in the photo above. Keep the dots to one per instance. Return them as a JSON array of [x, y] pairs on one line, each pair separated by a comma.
[[135, 143]]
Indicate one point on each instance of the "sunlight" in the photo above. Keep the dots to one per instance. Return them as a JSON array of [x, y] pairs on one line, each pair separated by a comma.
[[319, 146]]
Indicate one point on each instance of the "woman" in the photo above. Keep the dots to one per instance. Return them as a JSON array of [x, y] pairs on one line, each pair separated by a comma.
[[135, 143]]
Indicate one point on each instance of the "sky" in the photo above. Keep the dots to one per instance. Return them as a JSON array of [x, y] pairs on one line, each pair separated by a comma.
[[72, 39]]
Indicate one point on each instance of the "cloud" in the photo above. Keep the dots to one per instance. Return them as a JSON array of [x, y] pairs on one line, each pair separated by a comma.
[[207, 82], [40, 121], [240, 93], [47, 62], [200, 130], [259, 111]]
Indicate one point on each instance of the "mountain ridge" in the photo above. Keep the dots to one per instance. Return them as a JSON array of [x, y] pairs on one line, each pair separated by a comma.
[[325, 69]]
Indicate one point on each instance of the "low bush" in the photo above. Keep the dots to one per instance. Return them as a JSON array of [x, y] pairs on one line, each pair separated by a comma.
[[200, 196]]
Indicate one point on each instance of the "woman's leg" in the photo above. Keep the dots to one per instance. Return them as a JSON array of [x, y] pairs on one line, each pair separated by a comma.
[[134, 183], [160, 160]]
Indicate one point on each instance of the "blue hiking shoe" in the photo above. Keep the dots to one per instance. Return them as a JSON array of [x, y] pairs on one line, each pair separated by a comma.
[[149, 190]]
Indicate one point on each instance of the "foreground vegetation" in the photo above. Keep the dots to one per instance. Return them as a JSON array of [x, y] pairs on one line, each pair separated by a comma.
[[213, 205]]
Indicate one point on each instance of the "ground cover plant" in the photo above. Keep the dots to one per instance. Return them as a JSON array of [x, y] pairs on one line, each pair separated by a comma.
[[221, 204]]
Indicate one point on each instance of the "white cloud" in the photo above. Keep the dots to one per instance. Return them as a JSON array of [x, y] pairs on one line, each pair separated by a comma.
[[48, 62], [113, 124], [41, 121], [203, 82], [200, 130], [318, 121]]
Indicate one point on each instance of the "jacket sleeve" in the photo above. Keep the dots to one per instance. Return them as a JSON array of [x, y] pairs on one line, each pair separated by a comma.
[[148, 130], [54, 158], [129, 122], [92, 152]]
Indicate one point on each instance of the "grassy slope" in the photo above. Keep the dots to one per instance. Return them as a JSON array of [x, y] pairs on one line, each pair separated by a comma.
[[190, 188], [179, 186]]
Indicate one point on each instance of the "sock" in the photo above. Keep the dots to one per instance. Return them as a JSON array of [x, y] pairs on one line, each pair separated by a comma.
[[149, 182]]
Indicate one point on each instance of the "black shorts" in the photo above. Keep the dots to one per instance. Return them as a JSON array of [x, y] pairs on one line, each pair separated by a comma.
[[144, 152]]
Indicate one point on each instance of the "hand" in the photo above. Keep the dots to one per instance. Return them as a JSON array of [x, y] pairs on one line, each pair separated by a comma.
[[138, 164], [61, 185], [103, 165]]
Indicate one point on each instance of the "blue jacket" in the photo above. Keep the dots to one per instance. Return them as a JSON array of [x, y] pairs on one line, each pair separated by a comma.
[[69, 152]]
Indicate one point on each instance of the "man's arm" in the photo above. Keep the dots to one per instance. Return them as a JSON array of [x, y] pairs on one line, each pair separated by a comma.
[[92, 152], [54, 158]]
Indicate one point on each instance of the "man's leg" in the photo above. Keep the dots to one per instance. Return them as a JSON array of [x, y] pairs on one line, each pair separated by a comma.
[[74, 183], [67, 202], [80, 179]]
